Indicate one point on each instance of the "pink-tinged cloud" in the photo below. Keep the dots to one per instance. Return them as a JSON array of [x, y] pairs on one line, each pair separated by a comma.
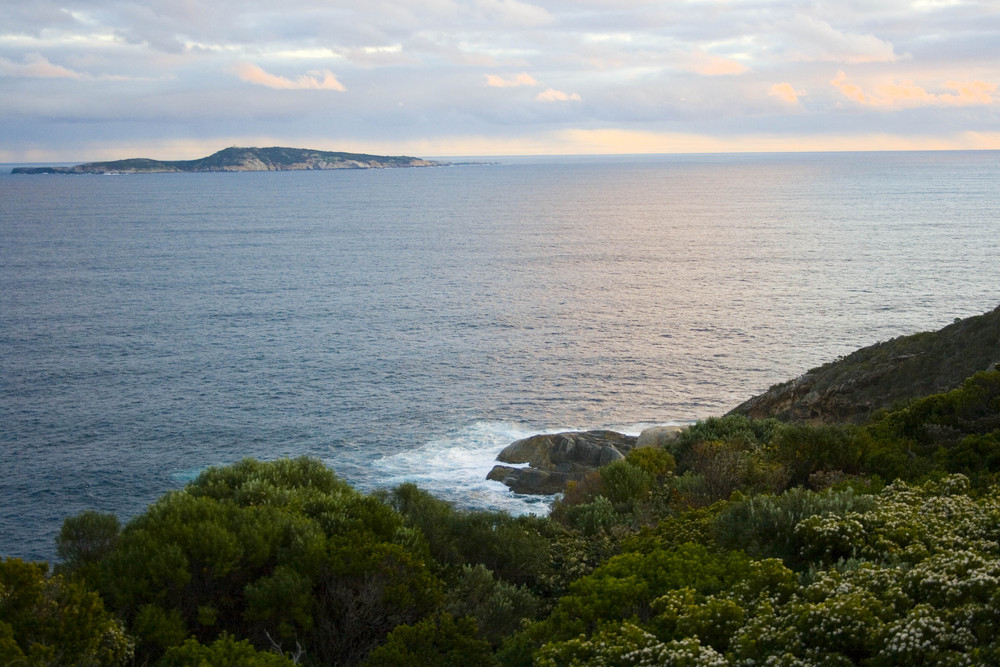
[[522, 79], [36, 66], [311, 80], [708, 65], [908, 94], [553, 95], [786, 92]]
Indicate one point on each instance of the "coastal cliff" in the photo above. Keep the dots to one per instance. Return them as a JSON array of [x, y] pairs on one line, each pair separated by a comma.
[[241, 159]]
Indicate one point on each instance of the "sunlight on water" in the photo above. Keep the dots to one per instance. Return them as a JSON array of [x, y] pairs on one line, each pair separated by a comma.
[[406, 325]]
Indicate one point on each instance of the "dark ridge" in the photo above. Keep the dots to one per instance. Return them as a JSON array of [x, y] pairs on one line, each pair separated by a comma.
[[884, 375]]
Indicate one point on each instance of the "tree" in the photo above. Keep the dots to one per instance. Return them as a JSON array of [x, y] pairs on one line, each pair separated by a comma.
[[281, 552], [223, 652], [434, 642], [55, 621]]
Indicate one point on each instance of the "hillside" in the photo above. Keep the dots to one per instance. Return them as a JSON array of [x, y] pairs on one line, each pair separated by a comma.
[[241, 159], [882, 375]]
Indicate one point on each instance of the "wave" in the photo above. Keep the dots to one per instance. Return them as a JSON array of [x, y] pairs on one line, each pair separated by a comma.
[[454, 468]]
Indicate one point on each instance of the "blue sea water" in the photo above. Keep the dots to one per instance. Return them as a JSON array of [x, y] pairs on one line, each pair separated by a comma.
[[405, 325]]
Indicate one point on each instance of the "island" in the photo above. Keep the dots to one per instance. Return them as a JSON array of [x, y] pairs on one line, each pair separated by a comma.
[[242, 159]]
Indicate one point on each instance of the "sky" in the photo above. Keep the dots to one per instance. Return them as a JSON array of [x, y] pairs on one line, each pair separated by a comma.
[[84, 80]]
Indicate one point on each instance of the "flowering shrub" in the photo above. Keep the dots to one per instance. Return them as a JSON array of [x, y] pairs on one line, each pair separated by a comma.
[[628, 646]]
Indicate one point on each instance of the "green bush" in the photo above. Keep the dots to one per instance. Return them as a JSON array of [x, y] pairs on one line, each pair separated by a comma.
[[434, 642], [516, 549], [52, 620], [85, 540], [280, 553], [738, 431], [657, 461], [765, 525], [593, 518], [804, 450], [223, 652], [626, 586], [626, 484], [499, 608]]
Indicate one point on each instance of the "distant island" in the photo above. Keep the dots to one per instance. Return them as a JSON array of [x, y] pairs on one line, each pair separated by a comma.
[[242, 159]]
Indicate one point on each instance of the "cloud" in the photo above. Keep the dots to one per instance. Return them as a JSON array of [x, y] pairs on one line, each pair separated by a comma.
[[821, 41], [36, 66], [786, 92], [311, 80], [908, 94], [553, 95], [522, 79], [707, 64], [514, 12]]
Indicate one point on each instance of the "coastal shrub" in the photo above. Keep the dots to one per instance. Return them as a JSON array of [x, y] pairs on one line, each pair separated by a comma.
[[86, 539], [223, 652], [578, 492], [593, 518], [975, 455], [615, 495], [683, 613], [692, 525], [626, 585], [738, 431], [575, 555], [53, 620], [625, 484], [442, 641], [499, 608], [723, 468], [765, 525], [657, 461], [931, 433], [628, 645], [513, 548], [281, 554], [803, 450]]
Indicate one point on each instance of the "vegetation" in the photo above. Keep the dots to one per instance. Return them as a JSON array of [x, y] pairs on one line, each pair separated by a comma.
[[234, 158], [744, 542]]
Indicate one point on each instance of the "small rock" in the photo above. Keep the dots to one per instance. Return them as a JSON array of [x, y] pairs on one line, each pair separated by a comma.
[[658, 436]]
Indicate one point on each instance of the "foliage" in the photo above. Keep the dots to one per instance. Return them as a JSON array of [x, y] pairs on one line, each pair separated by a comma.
[[434, 642], [624, 483], [52, 620], [774, 544], [515, 549], [766, 526], [628, 645], [626, 585], [223, 652], [736, 430], [280, 552], [86, 539], [804, 450], [498, 607], [956, 431], [657, 461]]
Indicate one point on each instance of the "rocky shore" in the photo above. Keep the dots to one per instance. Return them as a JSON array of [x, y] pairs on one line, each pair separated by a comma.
[[850, 389], [555, 459]]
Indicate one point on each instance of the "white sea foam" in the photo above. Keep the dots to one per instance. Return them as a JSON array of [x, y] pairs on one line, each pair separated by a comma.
[[454, 468]]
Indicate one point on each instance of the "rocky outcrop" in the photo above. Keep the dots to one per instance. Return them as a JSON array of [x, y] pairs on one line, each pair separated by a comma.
[[241, 159], [659, 436], [557, 458], [884, 375]]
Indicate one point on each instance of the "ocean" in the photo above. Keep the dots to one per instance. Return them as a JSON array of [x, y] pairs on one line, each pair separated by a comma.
[[407, 324]]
